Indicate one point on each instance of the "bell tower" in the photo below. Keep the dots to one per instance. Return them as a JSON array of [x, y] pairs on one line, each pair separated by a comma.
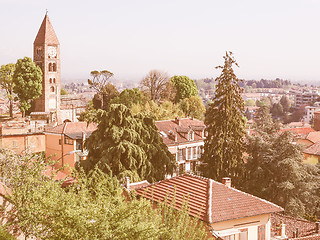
[[46, 54]]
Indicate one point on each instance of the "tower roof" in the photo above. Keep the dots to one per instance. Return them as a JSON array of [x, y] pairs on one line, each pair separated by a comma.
[[46, 33]]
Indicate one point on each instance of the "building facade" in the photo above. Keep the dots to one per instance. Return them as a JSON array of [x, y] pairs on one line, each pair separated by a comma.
[[185, 140]]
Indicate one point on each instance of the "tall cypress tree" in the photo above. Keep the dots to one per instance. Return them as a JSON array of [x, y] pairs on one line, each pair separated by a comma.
[[224, 145]]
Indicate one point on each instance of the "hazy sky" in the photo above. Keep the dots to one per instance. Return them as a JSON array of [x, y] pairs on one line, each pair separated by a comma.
[[274, 38]]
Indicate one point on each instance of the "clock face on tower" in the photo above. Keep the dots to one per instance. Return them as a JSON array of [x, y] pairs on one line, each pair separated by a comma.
[[52, 52]]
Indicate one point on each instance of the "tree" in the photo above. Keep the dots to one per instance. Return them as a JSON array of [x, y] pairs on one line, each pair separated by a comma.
[[250, 102], [103, 99], [185, 87], [164, 111], [193, 107], [285, 102], [275, 172], [63, 92], [224, 144], [93, 208], [128, 97], [27, 79], [154, 84], [105, 90], [128, 145], [277, 110], [6, 82]]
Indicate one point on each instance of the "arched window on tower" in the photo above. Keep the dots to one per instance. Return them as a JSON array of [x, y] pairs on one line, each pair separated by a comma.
[[54, 80], [54, 67], [50, 67], [50, 80], [52, 89]]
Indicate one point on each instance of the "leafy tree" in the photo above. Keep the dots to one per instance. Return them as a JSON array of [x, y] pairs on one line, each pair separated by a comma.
[[263, 120], [193, 107], [185, 87], [105, 90], [250, 102], [27, 79], [264, 101], [6, 82], [275, 172], [128, 97], [128, 145], [63, 92], [164, 111], [285, 102], [277, 110], [154, 84], [224, 144], [93, 208]]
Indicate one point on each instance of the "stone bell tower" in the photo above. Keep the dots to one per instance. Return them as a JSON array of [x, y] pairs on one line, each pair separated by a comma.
[[46, 54]]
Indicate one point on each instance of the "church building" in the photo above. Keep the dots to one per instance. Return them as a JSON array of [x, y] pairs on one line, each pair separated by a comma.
[[46, 54]]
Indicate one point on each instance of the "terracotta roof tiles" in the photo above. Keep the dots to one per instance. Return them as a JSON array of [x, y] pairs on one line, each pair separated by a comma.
[[207, 199], [176, 131], [72, 128], [46, 33]]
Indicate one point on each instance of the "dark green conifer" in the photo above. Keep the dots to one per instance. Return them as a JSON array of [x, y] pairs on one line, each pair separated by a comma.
[[128, 145], [224, 145]]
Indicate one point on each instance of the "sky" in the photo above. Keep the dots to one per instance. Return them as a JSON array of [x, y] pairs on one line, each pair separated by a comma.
[[269, 39]]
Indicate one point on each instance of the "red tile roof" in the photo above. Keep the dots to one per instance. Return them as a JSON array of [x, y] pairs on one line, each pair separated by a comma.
[[299, 131], [72, 127], [170, 128], [307, 229], [313, 137], [207, 199], [46, 33], [314, 149]]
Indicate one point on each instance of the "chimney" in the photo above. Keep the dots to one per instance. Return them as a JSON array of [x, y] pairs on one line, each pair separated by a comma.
[[177, 121], [317, 227], [127, 183], [283, 230], [226, 181]]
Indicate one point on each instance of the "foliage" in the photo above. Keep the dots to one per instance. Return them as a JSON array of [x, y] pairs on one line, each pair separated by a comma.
[[105, 90], [4, 235], [250, 103], [285, 102], [90, 114], [154, 84], [193, 107], [224, 144], [128, 145], [63, 92], [164, 111], [27, 79], [95, 207], [185, 87], [128, 97], [263, 120], [103, 99], [277, 110], [275, 172], [264, 101], [263, 83], [6, 82]]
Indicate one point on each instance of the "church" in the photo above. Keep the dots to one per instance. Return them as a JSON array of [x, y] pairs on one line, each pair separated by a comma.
[[46, 54]]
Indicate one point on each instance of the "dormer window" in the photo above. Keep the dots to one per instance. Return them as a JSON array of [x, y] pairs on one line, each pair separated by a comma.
[[191, 135]]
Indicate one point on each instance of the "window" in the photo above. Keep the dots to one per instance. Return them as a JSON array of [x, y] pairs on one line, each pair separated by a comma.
[[261, 232], [50, 67], [54, 67], [50, 80], [190, 135], [51, 89], [54, 80], [59, 141], [79, 145], [189, 153], [68, 140], [194, 152]]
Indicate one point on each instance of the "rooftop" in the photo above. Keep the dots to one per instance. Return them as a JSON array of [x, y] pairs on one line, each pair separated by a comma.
[[207, 199]]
